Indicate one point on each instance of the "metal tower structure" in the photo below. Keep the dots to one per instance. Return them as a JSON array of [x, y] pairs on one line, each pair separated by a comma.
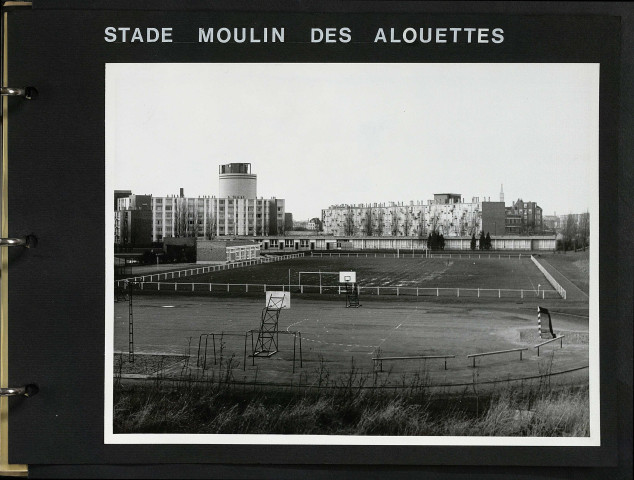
[[130, 288], [268, 334], [352, 295]]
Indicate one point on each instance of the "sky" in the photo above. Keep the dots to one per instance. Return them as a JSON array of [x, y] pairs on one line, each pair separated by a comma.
[[324, 134]]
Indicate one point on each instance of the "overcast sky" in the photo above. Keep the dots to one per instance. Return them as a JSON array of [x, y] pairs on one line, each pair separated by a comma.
[[323, 134]]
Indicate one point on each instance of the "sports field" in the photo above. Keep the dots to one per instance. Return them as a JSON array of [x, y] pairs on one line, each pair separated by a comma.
[[320, 338], [486, 273], [337, 341]]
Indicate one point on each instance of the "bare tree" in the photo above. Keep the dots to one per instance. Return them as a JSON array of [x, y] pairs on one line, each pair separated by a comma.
[[210, 224], [348, 223], [570, 232], [367, 222], [583, 229], [196, 217], [394, 225], [379, 221], [407, 221], [181, 217]]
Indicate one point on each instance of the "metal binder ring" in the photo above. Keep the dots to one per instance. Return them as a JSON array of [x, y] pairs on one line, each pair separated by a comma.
[[26, 391], [27, 92], [28, 242]]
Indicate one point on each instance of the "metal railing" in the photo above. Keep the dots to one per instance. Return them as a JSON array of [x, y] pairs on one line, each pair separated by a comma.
[[380, 360], [550, 278], [476, 355], [457, 292], [404, 254], [561, 343], [207, 269]]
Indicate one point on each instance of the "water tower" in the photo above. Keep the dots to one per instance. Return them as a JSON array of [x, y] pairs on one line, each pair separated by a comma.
[[236, 180]]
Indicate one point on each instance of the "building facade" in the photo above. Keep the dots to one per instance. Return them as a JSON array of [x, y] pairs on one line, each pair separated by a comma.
[[236, 212], [132, 220], [225, 251], [530, 214], [209, 217], [287, 244], [446, 214]]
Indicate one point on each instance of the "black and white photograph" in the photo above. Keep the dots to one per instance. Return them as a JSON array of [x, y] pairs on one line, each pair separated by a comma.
[[352, 253]]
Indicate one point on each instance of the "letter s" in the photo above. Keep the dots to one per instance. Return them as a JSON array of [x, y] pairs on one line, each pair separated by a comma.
[[111, 34], [498, 35], [344, 35]]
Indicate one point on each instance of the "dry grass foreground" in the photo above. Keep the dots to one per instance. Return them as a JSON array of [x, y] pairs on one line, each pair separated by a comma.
[[536, 409]]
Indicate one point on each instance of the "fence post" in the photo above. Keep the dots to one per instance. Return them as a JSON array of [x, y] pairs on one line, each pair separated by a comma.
[[499, 293], [458, 292], [159, 286], [397, 291], [437, 294], [175, 287], [247, 287], [227, 287], [193, 286], [478, 292]]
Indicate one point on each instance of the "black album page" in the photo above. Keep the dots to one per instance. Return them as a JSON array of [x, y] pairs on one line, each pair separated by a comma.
[[289, 235]]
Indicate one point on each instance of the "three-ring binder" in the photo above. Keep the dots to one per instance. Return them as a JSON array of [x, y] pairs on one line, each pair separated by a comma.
[[28, 241], [27, 92], [25, 391]]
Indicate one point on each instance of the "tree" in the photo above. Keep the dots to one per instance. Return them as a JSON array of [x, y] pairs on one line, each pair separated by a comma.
[[407, 222], [431, 240], [482, 244], [367, 222], [394, 226], [570, 232], [348, 223], [421, 224], [473, 242], [195, 230], [379, 219], [583, 229], [210, 225], [487, 241], [181, 217], [441, 241]]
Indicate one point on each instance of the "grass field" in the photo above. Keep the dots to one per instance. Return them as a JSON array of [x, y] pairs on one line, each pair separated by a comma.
[[575, 266], [194, 371], [388, 272]]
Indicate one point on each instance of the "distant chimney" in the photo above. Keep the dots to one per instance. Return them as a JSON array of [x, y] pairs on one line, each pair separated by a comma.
[[501, 192], [182, 192]]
